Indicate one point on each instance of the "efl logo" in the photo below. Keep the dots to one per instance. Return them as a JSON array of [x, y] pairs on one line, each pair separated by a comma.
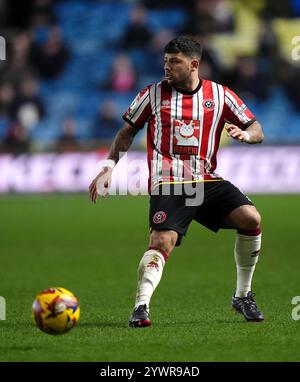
[[296, 310], [296, 50], [2, 308]]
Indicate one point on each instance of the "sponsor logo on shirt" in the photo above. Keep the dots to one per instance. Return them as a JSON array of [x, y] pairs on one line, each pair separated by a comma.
[[186, 137], [242, 108], [165, 104]]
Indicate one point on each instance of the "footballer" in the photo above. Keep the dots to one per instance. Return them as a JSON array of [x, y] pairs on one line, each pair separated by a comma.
[[185, 116]]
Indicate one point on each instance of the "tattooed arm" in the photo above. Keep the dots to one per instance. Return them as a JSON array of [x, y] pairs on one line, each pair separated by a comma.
[[122, 142], [253, 134]]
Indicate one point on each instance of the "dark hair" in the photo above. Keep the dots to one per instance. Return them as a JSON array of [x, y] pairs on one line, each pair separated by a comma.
[[186, 45]]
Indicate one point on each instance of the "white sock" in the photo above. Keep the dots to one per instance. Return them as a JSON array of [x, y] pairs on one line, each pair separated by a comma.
[[246, 253], [149, 274]]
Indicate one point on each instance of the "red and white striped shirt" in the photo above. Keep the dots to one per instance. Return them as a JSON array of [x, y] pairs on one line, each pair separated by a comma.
[[184, 129]]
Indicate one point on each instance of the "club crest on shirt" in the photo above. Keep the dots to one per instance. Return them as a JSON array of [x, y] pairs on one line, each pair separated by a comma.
[[159, 217], [186, 137], [208, 104]]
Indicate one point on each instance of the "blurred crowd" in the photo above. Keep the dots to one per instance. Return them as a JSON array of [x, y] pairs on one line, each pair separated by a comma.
[[38, 54]]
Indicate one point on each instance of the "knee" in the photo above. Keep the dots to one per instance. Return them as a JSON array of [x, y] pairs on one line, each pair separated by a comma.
[[252, 220], [164, 240]]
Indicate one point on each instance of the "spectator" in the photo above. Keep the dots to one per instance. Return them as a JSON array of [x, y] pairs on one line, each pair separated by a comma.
[[7, 98], [156, 49], [292, 86], [223, 17], [17, 139], [107, 121], [44, 9], [210, 65], [207, 17], [123, 76], [49, 59], [28, 109], [268, 58], [67, 141], [17, 68], [268, 44], [246, 79], [200, 19], [137, 34]]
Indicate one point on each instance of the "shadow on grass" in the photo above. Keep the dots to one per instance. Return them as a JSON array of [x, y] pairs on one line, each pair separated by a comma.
[[97, 325], [232, 322], [19, 348], [159, 324], [17, 325], [198, 323], [26, 326]]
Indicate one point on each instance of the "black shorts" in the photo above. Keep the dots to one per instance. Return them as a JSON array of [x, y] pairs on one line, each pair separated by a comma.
[[170, 212]]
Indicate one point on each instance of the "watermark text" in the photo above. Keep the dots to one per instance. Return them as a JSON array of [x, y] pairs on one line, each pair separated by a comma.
[[296, 309], [2, 308]]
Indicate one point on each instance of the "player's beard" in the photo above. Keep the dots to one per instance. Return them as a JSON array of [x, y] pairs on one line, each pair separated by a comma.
[[180, 82]]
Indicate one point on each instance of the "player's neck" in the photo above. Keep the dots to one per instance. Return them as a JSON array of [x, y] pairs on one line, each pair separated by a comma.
[[191, 86]]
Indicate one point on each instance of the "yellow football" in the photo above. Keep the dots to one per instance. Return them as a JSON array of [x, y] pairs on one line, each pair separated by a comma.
[[55, 310]]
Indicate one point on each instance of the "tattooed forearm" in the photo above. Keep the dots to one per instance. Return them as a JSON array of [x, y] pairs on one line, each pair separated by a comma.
[[122, 142], [255, 132]]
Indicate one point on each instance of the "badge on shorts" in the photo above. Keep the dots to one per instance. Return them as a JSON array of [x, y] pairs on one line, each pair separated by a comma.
[[159, 217]]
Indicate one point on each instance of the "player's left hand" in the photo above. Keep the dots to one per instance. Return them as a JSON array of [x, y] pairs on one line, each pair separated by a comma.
[[236, 133]]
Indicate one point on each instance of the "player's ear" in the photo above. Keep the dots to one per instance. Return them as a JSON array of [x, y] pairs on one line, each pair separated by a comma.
[[195, 63]]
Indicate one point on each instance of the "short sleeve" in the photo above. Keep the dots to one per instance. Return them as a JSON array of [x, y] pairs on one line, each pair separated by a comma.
[[236, 112], [139, 111]]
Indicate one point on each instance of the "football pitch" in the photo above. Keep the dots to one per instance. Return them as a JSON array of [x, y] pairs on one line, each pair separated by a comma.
[[94, 250]]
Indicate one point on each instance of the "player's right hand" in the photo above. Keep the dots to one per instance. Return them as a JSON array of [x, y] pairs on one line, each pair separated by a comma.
[[236, 133], [101, 184]]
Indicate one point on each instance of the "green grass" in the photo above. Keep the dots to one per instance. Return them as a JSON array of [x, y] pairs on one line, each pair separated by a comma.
[[64, 240]]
